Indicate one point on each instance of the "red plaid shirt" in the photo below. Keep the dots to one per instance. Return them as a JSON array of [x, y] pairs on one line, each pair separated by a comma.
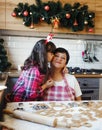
[[28, 86]]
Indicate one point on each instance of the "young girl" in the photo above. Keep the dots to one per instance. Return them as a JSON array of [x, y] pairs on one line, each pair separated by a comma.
[[65, 85], [50, 48], [32, 81]]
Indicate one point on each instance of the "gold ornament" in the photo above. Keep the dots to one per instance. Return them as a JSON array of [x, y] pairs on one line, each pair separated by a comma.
[[55, 23]]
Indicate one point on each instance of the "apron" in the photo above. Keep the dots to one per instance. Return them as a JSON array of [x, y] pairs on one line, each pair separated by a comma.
[[60, 93], [70, 90]]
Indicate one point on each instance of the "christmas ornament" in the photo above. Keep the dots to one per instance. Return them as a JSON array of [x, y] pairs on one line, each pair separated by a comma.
[[42, 19], [19, 13], [85, 22], [32, 25], [23, 23], [30, 13], [68, 16], [49, 37], [47, 8], [90, 30], [25, 13], [75, 23], [55, 23], [90, 16], [14, 14]]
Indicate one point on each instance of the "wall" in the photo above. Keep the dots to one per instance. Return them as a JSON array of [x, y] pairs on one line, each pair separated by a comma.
[[19, 48]]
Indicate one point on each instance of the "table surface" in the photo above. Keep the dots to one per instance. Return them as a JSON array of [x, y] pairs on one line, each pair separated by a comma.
[[86, 115]]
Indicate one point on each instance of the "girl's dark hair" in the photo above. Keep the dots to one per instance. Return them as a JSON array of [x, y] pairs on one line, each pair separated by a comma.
[[62, 50], [38, 57], [50, 47]]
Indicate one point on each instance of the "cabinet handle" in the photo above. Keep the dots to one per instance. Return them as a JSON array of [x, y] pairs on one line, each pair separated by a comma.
[[85, 84]]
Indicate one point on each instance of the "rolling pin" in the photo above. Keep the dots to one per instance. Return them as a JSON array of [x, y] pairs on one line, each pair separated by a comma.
[[33, 117]]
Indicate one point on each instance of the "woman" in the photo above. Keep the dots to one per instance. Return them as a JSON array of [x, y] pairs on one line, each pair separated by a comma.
[[65, 85], [32, 81]]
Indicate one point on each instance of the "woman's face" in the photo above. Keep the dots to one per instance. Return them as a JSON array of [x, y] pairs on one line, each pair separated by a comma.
[[59, 60]]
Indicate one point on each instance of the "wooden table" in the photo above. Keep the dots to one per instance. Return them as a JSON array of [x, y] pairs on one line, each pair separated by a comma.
[[86, 115]]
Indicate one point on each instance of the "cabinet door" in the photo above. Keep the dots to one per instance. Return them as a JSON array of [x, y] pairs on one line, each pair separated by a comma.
[[2, 14]]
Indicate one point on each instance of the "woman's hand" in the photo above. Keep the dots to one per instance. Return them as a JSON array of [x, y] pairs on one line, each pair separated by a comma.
[[65, 70]]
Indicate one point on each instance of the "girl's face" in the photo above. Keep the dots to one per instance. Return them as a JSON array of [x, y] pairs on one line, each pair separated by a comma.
[[59, 60], [49, 56]]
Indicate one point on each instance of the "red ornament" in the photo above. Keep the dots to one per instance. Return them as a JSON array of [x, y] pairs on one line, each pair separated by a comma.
[[47, 8], [14, 14], [68, 16], [75, 23], [25, 13], [90, 30], [32, 26]]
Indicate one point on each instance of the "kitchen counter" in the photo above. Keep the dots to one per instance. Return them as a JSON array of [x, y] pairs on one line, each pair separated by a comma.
[[12, 73], [15, 73], [88, 75], [67, 114]]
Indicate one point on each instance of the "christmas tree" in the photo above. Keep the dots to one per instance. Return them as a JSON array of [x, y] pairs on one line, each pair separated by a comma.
[[4, 63]]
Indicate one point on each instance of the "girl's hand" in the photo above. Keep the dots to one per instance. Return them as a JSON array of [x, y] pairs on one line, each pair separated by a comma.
[[49, 83]]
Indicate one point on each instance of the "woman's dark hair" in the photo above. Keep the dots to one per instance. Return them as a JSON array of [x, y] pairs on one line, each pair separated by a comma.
[[38, 57], [62, 50], [50, 47]]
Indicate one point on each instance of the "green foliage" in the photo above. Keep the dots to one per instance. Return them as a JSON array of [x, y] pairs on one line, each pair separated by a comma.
[[75, 17], [4, 63]]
